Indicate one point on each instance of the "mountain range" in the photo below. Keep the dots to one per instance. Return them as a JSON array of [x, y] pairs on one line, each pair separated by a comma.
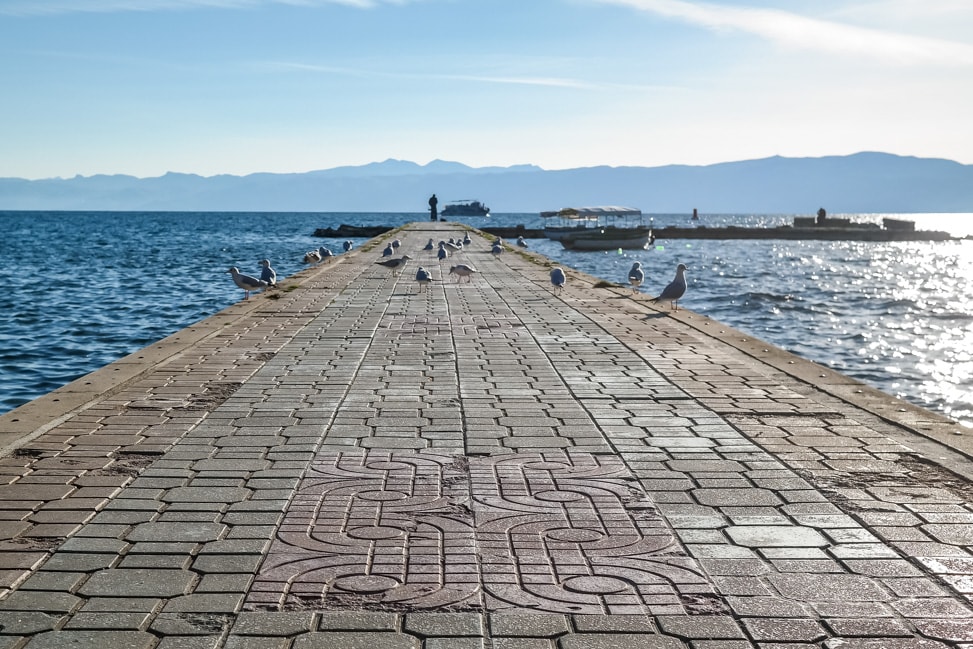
[[860, 183]]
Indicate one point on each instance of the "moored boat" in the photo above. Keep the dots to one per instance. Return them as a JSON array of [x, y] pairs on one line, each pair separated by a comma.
[[466, 208], [599, 228]]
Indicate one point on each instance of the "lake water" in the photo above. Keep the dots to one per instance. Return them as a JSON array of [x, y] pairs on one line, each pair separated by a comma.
[[86, 288]]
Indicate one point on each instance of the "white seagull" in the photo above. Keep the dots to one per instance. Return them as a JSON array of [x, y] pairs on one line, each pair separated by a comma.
[[423, 277], [636, 276], [348, 245], [497, 248], [312, 257], [326, 254], [442, 254], [521, 242], [389, 251], [675, 289], [246, 282], [268, 274], [558, 279], [462, 270]]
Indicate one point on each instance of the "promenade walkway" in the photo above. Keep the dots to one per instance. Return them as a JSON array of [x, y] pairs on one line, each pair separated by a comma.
[[350, 462]]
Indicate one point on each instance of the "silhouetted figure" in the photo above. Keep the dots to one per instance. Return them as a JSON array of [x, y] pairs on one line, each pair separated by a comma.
[[695, 215], [822, 215], [433, 213]]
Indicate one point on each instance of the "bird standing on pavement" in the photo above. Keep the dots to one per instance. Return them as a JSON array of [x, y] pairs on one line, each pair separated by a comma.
[[423, 277], [389, 251], [348, 245], [636, 276], [442, 254], [246, 282], [326, 254], [429, 245], [675, 289], [395, 264], [521, 242], [497, 249], [268, 274], [312, 257], [461, 271], [558, 279]]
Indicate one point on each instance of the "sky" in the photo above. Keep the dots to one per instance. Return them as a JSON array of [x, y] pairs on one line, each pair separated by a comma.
[[146, 87]]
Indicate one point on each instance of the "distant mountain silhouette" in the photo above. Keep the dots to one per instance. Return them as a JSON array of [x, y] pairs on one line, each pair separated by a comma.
[[862, 183]]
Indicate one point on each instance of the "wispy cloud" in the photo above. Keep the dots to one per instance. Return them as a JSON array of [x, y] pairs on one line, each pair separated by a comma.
[[555, 82], [46, 7], [796, 31]]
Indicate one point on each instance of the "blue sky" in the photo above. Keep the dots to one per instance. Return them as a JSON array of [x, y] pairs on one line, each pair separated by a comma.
[[144, 87]]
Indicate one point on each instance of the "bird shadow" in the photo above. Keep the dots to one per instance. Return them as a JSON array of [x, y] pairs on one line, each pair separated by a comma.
[[655, 316]]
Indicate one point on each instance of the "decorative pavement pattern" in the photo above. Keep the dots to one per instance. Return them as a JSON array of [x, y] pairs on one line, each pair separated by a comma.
[[351, 463]]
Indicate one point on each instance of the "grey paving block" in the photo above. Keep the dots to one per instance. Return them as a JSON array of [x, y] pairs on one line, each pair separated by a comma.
[[93, 640]]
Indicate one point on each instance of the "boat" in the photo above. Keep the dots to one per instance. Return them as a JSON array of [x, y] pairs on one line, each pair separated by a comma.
[[466, 208], [608, 227]]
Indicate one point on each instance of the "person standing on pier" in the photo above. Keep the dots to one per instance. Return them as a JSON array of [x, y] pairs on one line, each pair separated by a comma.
[[433, 202]]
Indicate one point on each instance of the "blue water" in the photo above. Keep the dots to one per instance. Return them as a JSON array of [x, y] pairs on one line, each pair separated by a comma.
[[86, 288]]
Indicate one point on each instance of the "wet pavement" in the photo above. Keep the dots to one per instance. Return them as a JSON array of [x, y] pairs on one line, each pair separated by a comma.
[[357, 461]]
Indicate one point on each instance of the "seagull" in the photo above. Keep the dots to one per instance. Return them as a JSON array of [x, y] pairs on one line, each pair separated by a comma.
[[558, 279], [312, 257], [423, 277], [467, 240], [348, 245], [246, 282], [442, 254], [429, 245], [268, 274], [497, 249], [462, 270], [521, 242], [675, 289], [396, 243], [394, 264], [389, 251], [636, 276], [325, 253]]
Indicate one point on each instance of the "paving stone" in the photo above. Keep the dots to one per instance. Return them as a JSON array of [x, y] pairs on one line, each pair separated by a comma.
[[618, 641], [522, 643], [792, 630], [272, 624], [138, 583], [41, 601], [189, 642], [27, 622], [528, 625], [130, 621], [358, 621], [356, 640], [699, 627], [613, 624], [828, 588], [776, 536], [99, 639]]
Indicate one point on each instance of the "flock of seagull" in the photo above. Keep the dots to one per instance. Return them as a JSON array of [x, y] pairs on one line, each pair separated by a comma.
[[671, 294]]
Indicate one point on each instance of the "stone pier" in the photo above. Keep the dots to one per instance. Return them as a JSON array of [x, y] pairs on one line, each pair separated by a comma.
[[355, 461]]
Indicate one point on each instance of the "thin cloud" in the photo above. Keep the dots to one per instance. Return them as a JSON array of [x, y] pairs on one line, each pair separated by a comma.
[[555, 82], [800, 32], [50, 7]]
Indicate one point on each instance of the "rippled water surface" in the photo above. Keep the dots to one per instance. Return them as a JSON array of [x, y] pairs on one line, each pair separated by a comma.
[[87, 288]]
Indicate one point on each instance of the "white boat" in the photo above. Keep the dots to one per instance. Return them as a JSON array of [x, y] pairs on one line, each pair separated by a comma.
[[606, 227]]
